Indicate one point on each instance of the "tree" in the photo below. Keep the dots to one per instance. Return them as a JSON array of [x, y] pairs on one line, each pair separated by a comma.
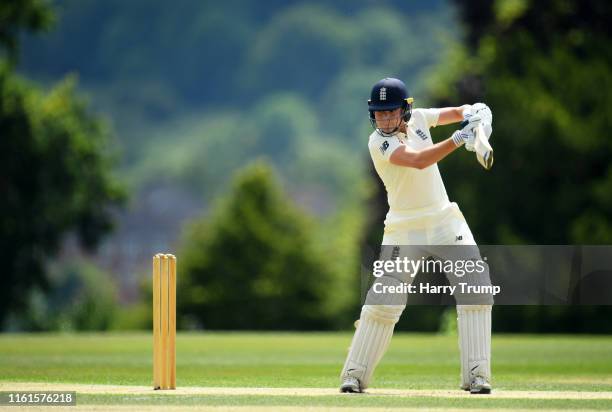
[[253, 264], [33, 15], [55, 178], [545, 69], [81, 297], [55, 169]]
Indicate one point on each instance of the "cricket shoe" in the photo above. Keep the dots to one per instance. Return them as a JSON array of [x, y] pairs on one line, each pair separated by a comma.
[[480, 386], [350, 384]]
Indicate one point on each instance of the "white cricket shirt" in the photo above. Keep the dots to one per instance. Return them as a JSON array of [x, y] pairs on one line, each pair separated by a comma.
[[409, 189]]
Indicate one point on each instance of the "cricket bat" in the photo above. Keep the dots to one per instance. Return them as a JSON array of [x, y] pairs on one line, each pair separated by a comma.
[[482, 147], [484, 151]]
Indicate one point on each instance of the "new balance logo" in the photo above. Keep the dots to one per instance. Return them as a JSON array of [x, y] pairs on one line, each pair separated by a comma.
[[458, 238], [384, 147]]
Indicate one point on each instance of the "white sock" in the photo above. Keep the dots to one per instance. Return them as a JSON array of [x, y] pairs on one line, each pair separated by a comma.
[[474, 327], [370, 341]]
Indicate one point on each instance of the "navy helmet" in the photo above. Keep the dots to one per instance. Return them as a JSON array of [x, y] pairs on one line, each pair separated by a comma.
[[389, 94]]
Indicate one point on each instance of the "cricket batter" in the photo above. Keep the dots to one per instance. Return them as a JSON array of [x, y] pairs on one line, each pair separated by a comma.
[[420, 215]]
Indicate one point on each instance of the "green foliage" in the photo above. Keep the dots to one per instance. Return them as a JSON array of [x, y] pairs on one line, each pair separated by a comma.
[[545, 70], [132, 317], [201, 153], [548, 86], [339, 238], [291, 45], [552, 319], [192, 101], [21, 15], [82, 298], [307, 39], [56, 179], [253, 264], [448, 322], [197, 153]]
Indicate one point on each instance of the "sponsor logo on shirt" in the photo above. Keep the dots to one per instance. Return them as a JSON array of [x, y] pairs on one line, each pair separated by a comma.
[[384, 147], [421, 134]]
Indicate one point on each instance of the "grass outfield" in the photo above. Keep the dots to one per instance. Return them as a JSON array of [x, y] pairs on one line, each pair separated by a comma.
[[550, 372]]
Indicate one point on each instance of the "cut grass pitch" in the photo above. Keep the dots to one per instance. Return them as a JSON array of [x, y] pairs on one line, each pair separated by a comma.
[[415, 362]]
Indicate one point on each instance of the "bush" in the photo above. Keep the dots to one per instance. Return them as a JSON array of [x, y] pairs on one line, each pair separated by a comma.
[[81, 298], [253, 264]]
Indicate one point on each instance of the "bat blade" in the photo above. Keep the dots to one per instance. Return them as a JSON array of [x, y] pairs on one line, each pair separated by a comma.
[[484, 151]]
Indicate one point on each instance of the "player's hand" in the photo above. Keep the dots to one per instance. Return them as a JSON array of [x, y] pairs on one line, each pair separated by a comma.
[[463, 136], [470, 122], [482, 110], [477, 113]]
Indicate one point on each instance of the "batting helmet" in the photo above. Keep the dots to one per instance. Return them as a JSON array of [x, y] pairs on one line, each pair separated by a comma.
[[389, 94]]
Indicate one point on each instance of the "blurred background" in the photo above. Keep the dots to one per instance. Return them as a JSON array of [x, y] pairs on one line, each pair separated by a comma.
[[234, 134]]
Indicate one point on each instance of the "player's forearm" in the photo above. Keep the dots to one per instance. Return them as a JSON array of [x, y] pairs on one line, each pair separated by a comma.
[[449, 115], [421, 159], [462, 111]]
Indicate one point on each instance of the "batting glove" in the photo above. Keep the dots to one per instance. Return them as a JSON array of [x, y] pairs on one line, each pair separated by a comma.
[[473, 116], [482, 110], [462, 136]]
